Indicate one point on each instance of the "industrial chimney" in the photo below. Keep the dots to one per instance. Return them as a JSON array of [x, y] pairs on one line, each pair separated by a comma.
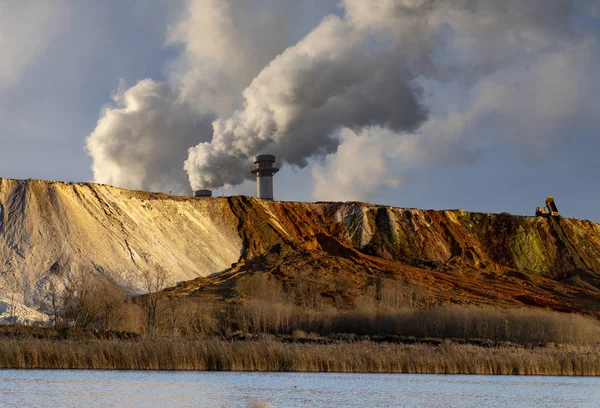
[[264, 169]]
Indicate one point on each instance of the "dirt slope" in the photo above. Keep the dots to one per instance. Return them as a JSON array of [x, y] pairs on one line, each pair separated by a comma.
[[52, 228], [454, 256]]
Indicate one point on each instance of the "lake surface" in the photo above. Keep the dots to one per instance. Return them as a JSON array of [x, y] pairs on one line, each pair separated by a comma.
[[52, 388]]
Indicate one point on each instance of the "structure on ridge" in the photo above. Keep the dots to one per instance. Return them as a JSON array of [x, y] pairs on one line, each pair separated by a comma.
[[202, 193], [265, 169]]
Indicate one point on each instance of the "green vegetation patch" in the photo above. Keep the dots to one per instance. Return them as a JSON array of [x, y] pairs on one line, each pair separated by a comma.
[[529, 250]]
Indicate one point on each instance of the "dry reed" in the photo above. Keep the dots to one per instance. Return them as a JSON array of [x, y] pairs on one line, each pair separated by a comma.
[[271, 355]]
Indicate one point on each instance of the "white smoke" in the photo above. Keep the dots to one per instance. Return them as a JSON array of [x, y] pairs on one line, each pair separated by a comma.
[[136, 143], [141, 140], [330, 79], [525, 108], [226, 44], [390, 84], [370, 67], [517, 77], [360, 160]]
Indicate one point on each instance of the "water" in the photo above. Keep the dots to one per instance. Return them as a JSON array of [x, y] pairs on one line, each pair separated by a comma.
[[212, 389]]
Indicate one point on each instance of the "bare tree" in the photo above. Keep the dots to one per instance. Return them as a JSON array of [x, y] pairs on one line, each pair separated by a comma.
[[108, 305], [306, 291], [92, 301], [180, 313], [153, 282], [206, 322], [397, 294], [53, 300], [76, 297]]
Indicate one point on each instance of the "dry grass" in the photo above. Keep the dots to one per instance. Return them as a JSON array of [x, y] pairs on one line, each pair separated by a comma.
[[265, 305], [188, 334], [391, 308], [267, 355], [520, 326]]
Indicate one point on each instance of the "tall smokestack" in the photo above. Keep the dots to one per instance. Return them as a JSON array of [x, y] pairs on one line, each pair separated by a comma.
[[264, 169]]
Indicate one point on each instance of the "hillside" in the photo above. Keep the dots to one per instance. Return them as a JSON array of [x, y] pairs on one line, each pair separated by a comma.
[[53, 228], [450, 256], [50, 229]]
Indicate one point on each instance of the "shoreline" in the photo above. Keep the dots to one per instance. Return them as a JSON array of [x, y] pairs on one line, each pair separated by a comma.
[[295, 372]]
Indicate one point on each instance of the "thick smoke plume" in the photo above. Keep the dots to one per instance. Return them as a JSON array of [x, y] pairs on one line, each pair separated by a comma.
[[141, 140], [368, 70], [332, 78], [389, 84]]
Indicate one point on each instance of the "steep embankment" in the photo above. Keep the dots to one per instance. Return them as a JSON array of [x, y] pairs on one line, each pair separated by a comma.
[[50, 229], [452, 256], [53, 228]]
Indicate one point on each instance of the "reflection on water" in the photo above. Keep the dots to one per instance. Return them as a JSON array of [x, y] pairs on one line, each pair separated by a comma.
[[201, 389]]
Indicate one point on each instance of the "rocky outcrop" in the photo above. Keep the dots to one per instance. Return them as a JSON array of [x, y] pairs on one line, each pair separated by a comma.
[[453, 256], [556, 248]]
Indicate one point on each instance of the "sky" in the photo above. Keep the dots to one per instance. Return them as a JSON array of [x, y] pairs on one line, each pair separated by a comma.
[[480, 105]]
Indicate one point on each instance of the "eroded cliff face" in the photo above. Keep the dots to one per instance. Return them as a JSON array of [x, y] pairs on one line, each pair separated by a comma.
[[454, 256], [51, 228], [555, 248], [441, 240]]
